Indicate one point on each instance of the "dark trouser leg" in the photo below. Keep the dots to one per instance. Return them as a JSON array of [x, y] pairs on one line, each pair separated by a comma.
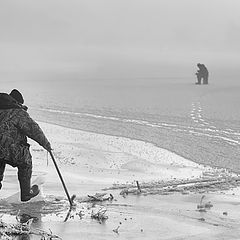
[[23, 161], [198, 79], [205, 80], [2, 169], [25, 173], [24, 178]]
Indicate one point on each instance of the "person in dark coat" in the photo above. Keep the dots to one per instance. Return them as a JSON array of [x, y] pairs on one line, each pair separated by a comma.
[[15, 126], [202, 73]]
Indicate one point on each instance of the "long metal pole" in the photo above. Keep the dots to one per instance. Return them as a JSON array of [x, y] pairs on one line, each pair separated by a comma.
[[61, 178]]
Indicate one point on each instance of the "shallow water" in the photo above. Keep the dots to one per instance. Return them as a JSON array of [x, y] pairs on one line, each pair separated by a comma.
[[136, 217]]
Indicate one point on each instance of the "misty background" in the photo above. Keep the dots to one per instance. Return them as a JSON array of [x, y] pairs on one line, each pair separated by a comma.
[[127, 68], [57, 39]]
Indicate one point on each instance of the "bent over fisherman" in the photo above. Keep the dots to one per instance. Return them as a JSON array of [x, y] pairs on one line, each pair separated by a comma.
[[15, 126]]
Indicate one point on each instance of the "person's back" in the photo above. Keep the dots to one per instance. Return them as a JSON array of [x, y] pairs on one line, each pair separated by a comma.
[[10, 113]]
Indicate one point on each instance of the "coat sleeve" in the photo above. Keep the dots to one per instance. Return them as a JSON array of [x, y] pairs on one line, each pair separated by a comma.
[[31, 129]]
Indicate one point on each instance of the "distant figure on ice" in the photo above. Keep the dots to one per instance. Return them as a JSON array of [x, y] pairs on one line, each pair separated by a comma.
[[202, 73], [15, 126]]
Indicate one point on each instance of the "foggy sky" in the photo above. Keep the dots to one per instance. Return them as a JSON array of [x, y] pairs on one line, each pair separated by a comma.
[[117, 37]]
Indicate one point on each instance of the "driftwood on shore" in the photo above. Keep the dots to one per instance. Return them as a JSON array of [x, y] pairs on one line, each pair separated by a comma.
[[181, 186], [97, 197]]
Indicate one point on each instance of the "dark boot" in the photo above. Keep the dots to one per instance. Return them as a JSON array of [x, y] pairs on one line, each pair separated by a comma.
[[34, 191], [27, 192], [24, 177]]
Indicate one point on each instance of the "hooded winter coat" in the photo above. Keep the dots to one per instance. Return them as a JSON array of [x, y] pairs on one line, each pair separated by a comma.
[[15, 126]]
